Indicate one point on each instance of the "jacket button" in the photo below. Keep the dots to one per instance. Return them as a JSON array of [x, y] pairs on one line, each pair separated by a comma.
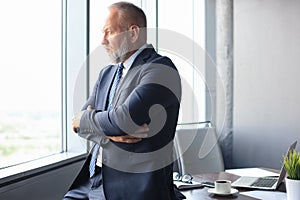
[[104, 141]]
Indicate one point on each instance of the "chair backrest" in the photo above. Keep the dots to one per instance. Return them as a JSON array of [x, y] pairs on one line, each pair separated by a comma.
[[197, 150]]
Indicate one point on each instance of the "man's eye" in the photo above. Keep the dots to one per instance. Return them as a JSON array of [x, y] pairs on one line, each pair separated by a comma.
[[108, 32]]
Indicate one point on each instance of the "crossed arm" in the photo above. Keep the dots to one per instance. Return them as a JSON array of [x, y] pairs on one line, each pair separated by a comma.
[[135, 137], [145, 102]]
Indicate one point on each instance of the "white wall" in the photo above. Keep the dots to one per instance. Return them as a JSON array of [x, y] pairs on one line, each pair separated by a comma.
[[266, 79]]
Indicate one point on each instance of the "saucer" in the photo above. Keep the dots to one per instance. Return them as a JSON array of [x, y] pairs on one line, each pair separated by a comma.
[[232, 191]]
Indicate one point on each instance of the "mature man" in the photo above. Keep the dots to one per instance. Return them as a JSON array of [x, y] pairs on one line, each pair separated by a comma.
[[131, 116]]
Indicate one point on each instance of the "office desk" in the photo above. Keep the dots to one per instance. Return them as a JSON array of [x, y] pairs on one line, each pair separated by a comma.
[[202, 193]]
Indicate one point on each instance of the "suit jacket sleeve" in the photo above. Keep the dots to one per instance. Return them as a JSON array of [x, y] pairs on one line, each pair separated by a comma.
[[87, 127], [158, 87], [91, 99]]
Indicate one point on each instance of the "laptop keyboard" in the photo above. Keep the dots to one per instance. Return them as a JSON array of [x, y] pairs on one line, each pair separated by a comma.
[[264, 182]]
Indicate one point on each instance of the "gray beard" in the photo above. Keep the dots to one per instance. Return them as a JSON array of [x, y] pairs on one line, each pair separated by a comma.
[[120, 54]]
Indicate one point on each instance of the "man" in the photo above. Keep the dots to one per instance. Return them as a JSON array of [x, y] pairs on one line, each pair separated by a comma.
[[131, 116]]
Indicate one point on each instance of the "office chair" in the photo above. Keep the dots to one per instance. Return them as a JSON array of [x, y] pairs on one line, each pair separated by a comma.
[[196, 149]]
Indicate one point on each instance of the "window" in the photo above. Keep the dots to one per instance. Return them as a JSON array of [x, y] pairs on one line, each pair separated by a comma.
[[30, 80], [181, 36]]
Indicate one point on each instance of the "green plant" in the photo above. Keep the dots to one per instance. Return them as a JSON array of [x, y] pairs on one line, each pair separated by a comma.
[[292, 165]]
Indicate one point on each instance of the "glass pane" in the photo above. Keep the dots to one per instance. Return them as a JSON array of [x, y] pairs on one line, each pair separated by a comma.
[[184, 22], [30, 80]]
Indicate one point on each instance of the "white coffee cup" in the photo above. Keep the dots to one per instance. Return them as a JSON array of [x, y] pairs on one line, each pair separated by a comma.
[[223, 186]]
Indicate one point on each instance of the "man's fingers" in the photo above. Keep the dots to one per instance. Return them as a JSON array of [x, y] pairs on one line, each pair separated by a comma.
[[132, 140], [124, 139], [76, 121], [138, 135], [90, 107], [74, 129], [74, 126]]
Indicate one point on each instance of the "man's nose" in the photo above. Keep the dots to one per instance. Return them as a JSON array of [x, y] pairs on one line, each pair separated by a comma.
[[104, 41]]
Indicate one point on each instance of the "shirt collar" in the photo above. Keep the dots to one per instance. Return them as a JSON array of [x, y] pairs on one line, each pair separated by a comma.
[[127, 64]]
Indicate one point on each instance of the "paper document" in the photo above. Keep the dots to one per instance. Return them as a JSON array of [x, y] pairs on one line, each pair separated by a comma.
[[274, 195], [252, 172], [185, 186]]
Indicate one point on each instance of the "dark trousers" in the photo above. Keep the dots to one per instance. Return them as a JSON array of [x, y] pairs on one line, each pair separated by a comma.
[[89, 189]]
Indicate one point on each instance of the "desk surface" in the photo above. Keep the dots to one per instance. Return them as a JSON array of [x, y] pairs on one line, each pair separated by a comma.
[[202, 193]]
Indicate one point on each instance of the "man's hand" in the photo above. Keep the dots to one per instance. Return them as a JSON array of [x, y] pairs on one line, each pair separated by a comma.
[[76, 119], [137, 136]]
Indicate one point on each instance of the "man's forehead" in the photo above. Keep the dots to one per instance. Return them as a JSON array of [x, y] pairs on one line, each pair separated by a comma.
[[111, 20], [106, 27], [111, 27]]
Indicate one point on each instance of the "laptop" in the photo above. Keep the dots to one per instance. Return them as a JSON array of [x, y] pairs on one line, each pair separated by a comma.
[[265, 183]]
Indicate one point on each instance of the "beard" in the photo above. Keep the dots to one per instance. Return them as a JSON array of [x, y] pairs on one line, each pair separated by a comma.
[[119, 55]]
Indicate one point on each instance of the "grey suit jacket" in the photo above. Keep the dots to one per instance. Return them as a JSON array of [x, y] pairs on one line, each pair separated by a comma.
[[150, 93]]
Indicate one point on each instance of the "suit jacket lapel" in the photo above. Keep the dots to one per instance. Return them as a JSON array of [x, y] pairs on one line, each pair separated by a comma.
[[104, 87], [144, 56], [141, 59]]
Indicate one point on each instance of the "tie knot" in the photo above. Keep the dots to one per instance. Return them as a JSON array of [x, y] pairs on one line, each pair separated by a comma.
[[120, 67], [119, 72]]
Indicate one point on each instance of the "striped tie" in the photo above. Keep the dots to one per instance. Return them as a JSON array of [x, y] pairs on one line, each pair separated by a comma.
[[109, 107], [115, 85]]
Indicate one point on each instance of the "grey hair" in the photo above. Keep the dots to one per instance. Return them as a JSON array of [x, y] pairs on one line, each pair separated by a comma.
[[130, 14]]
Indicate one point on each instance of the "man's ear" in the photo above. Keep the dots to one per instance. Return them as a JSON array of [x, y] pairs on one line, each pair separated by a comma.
[[134, 33]]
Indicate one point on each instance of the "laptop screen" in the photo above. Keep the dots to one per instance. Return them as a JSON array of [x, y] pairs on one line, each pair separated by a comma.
[[283, 171]]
